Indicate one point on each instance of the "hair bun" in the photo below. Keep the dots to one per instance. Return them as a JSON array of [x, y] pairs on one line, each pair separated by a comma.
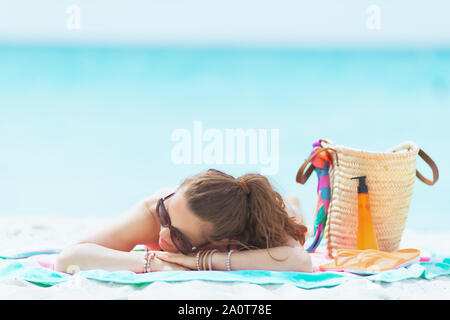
[[244, 186]]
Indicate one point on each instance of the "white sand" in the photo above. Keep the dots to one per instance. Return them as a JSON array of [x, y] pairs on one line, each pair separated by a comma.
[[23, 233]]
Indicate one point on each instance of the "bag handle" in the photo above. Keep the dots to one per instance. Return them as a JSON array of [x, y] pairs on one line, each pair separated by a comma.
[[302, 175], [433, 167]]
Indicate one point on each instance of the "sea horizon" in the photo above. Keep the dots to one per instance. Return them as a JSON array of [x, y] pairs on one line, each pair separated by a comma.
[[87, 129]]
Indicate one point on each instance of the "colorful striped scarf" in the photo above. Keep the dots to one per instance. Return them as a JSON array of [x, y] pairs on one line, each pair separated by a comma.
[[321, 163]]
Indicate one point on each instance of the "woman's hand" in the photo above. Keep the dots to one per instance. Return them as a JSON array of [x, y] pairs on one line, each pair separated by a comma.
[[161, 265], [187, 262], [158, 264]]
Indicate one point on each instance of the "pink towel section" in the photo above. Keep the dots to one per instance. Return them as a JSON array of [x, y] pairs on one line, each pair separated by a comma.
[[43, 260], [319, 257]]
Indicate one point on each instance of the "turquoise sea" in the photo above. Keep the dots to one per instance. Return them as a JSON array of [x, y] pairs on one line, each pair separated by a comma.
[[87, 130]]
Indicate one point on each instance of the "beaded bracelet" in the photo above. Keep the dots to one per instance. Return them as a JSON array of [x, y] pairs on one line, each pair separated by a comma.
[[149, 255], [147, 252], [149, 264], [228, 260], [198, 259], [203, 259]]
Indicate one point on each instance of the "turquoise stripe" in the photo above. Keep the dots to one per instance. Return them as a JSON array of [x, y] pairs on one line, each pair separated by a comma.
[[24, 255], [45, 277]]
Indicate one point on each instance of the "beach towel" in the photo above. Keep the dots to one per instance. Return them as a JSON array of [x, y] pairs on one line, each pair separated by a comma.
[[47, 277], [33, 270]]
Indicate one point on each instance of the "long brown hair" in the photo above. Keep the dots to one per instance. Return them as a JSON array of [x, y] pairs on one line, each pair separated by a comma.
[[246, 210]]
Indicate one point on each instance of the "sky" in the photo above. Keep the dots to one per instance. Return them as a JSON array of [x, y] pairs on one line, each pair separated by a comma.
[[232, 22]]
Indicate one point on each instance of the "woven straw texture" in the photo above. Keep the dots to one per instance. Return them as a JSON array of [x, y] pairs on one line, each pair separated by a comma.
[[390, 180]]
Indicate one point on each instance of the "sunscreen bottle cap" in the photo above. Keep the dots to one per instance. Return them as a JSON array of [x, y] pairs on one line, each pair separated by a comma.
[[362, 187]]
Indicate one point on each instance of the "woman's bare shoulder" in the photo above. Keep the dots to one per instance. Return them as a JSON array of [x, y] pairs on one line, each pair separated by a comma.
[[137, 225]]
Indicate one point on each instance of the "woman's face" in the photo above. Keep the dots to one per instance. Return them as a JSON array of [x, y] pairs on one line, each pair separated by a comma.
[[182, 218]]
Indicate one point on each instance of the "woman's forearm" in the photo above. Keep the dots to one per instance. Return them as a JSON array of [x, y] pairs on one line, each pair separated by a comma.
[[86, 256], [286, 259]]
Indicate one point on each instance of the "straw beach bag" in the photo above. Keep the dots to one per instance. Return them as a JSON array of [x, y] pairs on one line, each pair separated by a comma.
[[390, 180]]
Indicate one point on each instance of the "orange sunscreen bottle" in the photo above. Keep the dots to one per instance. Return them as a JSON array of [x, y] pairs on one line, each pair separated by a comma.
[[366, 238]]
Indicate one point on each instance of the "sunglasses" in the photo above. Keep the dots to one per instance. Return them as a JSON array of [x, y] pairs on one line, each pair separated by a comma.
[[180, 241]]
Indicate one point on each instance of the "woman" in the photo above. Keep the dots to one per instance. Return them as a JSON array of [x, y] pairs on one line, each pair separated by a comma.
[[211, 221]]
